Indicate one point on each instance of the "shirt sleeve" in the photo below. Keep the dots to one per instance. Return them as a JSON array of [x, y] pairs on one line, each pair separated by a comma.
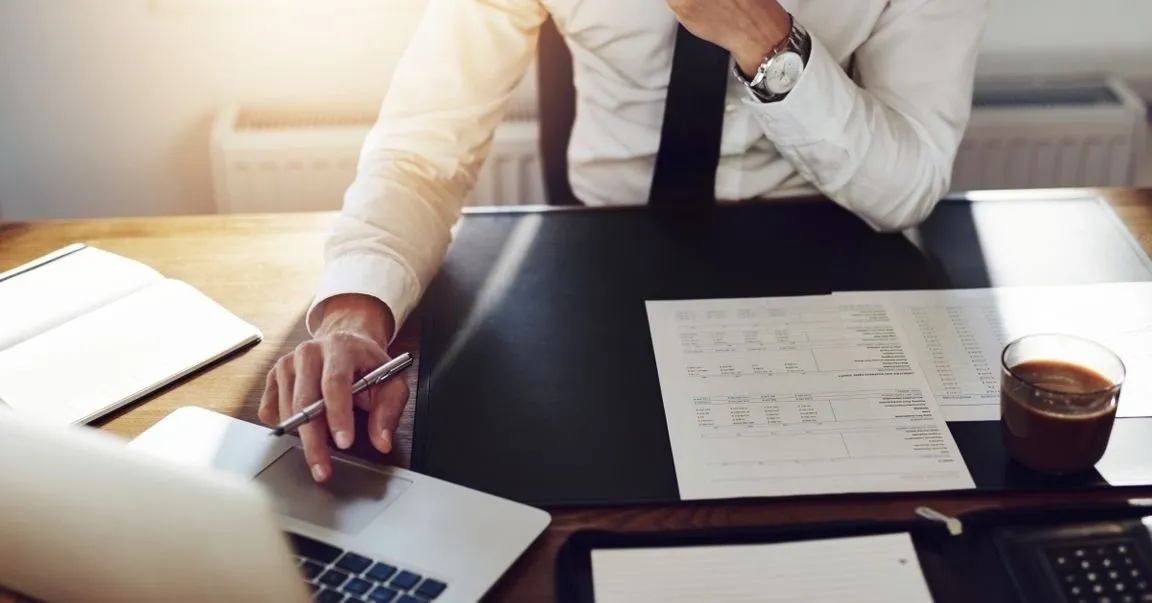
[[420, 160], [885, 149]]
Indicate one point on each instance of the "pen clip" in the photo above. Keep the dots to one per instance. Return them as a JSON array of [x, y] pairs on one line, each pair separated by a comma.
[[399, 363], [377, 379]]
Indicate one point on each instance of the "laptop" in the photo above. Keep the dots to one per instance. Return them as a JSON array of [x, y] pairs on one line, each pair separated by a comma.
[[204, 507]]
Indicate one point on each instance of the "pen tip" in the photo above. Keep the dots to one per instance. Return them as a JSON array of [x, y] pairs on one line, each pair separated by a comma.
[[278, 431]]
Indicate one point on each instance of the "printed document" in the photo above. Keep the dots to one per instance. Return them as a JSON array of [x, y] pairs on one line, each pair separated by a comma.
[[958, 335], [860, 569], [798, 395]]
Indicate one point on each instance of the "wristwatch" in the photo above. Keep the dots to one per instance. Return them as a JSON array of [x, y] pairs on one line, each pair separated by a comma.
[[781, 69]]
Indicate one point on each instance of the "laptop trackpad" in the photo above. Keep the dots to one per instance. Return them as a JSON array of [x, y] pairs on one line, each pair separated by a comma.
[[347, 502]]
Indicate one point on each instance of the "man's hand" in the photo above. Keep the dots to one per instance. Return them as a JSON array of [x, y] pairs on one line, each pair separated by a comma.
[[749, 29], [349, 342]]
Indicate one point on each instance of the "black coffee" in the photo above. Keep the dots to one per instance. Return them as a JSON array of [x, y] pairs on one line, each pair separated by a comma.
[[1056, 417]]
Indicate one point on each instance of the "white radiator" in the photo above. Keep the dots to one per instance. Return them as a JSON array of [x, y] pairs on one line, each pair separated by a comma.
[[283, 159], [1047, 134], [1023, 134]]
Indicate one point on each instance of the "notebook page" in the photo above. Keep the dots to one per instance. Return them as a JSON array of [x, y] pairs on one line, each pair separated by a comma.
[[860, 569], [109, 357], [50, 295]]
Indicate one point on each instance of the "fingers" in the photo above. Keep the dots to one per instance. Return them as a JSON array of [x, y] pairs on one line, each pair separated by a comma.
[[269, 412], [384, 417], [336, 387], [326, 368], [368, 357], [285, 372], [309, 367]]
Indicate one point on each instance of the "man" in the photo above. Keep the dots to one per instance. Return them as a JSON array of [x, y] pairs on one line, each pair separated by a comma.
[[880, 144]]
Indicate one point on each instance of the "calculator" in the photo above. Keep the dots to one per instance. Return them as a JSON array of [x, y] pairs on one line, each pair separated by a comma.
[[1105, 562]]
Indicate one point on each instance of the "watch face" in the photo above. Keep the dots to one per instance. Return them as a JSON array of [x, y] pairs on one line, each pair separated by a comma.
[[783, 72]]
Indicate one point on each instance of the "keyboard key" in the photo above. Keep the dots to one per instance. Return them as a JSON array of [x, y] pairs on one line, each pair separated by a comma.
[[311, 569], [430, 589], [1110, 572], [409, 599], [333, 578], [380, 572], [405, 580], [356, 586], [314, 549], [328, 596], [353, 563], [383, 594]]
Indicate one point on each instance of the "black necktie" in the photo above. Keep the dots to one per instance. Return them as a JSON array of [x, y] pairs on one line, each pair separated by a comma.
[[693, 121]]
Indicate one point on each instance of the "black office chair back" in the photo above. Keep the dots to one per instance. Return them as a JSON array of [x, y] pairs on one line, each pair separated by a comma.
[[556, 94]]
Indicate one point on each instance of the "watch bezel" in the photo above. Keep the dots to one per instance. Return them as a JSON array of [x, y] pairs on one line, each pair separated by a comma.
[[769, 65], [795, 44]]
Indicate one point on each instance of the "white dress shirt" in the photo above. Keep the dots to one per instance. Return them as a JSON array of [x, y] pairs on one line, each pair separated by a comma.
[[883, 149]]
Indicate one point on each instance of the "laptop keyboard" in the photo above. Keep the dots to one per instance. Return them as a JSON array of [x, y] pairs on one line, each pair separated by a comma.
[[339, 576]]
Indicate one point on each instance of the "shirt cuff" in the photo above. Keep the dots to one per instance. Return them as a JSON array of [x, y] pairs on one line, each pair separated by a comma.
[[817, 109], [375, 275]]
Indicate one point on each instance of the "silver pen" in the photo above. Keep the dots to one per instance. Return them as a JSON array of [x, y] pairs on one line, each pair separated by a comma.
[[381, 374]]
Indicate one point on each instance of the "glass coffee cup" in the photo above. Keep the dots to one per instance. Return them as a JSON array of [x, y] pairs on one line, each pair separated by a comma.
[[1058, 401]]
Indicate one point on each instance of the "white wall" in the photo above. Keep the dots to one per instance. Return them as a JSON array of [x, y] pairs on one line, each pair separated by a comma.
[[105, 104], [1069, 36]]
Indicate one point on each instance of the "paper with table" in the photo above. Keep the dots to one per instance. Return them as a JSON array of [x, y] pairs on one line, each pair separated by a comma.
[[849, 392], [957, 336], [792, 396], [859, 569]]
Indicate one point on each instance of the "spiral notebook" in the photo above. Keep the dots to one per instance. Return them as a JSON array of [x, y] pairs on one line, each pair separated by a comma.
[[84, 332]]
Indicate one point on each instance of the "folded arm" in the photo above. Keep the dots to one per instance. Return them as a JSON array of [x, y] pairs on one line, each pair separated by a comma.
[[885, 149]]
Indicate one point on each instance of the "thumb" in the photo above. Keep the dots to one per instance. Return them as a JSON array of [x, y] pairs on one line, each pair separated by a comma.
[[389, 400]]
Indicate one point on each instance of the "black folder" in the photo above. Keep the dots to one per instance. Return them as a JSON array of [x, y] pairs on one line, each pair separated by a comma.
[[537, 376], [1063, 553]]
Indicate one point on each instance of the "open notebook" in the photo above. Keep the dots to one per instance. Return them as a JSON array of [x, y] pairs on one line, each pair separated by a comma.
[[84, 332]]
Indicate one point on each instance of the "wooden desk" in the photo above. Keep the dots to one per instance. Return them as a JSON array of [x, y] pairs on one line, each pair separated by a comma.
[[265, 269]]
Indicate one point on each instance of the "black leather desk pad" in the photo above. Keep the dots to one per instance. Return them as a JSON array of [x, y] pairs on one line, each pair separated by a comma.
[[537, 377]]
